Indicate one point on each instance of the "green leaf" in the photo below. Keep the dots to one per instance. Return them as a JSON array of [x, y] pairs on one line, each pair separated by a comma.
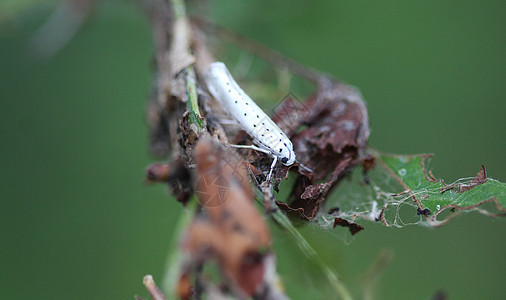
[[400, 190], [427, 192]]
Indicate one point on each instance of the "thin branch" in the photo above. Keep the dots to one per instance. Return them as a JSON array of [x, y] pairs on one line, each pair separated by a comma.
[[181, 59], [311, 254], [153, 290], [263, 52]]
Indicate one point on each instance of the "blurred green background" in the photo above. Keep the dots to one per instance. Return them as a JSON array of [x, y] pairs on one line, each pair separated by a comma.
[[77, 222]]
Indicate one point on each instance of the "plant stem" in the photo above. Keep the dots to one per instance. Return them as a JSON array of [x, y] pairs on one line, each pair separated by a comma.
[[310, 253], [181, 25], [175, 256], [179, 8], [192, 103]]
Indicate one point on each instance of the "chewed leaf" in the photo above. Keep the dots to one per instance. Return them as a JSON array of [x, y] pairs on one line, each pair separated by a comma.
[[400, 190], [434, 197]]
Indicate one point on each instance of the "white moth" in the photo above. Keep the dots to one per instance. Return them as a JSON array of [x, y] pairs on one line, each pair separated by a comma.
[[234, 101]]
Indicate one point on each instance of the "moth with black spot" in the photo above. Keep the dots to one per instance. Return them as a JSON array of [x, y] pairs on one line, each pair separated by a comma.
[[269, 138]]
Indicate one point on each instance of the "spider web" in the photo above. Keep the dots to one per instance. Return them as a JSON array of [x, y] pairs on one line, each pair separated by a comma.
[[400, 191]]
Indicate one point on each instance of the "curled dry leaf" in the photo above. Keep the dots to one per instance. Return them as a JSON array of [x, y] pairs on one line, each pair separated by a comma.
[[229, 229], [333, 138], [480, 178]]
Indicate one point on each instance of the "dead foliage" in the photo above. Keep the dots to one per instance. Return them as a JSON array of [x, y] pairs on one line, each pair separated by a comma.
[[229, 229], [333, 138]]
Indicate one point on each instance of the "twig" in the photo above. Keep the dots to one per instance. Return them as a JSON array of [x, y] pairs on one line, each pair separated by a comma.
[[181, 59], [153, 290], [264, 52]]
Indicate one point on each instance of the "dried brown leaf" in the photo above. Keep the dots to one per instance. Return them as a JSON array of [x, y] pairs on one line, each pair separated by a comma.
[[335, 135], [230, 229], [480, 178]]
